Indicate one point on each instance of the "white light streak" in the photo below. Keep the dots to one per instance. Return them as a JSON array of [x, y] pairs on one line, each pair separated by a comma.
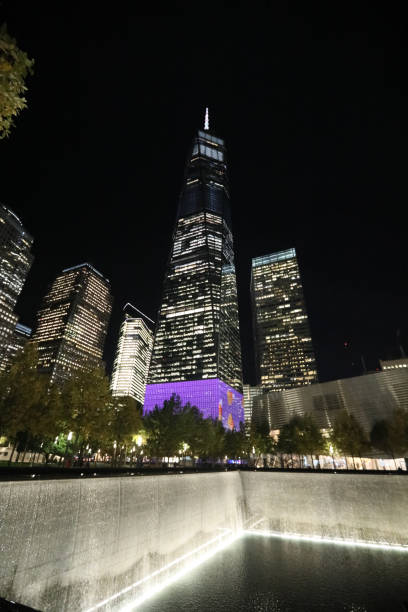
[[323, 540], [225, 539]]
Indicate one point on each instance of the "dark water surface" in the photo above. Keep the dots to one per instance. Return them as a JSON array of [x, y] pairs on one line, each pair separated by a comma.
[[274, 575]]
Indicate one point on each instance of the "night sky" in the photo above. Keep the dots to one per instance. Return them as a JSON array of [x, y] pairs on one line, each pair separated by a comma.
[[313, 108]]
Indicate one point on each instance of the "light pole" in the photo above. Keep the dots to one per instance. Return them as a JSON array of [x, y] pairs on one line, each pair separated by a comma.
[[114, 452]]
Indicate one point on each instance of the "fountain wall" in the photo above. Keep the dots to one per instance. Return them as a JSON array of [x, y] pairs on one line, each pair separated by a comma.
[[71, 544], [365, 507]]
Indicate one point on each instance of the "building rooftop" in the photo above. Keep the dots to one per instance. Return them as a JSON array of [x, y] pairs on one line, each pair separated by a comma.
[[273, 257], [88, 265]]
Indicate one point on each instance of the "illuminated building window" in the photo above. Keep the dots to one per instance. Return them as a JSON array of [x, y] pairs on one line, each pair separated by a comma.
[[132, 359], [72, 322], [283, 343], [15, 262], [197, 333]]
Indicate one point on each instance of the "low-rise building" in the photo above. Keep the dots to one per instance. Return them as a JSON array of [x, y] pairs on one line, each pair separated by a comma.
[[394, 364], [369, 398]]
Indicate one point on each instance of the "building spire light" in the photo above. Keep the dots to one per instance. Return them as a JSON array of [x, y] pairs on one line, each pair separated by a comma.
[[206, 120]]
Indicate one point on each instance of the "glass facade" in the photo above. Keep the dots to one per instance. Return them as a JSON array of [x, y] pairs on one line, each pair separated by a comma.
[[283, 344], [369, 398], [214, 398], [197, 332], [15, 262], [132, 359], [20, 337], [72, 321], [249, 394]]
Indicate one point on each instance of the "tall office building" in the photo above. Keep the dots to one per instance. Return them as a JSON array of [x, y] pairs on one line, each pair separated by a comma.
[[72, 322], [283, 345], [132, 359], [15, 262], [249, 394], [197, 351], [18, 339]]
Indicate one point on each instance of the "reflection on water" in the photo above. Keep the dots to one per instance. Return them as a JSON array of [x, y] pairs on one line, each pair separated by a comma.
[[272, 575]]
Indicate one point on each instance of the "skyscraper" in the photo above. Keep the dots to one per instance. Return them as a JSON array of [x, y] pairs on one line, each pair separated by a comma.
[[283, 345], [132, 359], [15, 262], [17, 342], [197, 352], [249, 394], [72, 322]]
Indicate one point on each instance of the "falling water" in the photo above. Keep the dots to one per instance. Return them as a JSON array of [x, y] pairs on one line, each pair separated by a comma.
[[99, 544]]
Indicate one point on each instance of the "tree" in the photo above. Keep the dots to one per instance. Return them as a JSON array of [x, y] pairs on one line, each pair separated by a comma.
[[348, 436], [215, 439], [195, 433], [235, 443], [311, 439], [259, 441], [126, 421], [23, 396], [289, 442], [164, 428], [87, 407], [15, 66], [301, 436], [391, 436]]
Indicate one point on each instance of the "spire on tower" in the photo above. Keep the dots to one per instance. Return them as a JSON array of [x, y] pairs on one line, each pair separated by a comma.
[[206, 120]]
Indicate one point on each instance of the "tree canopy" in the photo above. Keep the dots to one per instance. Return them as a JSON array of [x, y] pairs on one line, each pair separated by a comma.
[[301, 436], [348, 436], [391, 436], [15, 66], [80, 414]]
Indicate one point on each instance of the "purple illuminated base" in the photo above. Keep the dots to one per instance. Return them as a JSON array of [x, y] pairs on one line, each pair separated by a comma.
[[213, 397]]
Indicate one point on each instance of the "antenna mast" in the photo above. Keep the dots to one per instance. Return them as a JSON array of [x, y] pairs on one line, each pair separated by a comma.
[[206, 120], [139, 311]]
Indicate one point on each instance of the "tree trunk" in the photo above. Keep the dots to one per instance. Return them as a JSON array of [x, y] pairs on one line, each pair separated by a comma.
[[12, 453], [25, 451]]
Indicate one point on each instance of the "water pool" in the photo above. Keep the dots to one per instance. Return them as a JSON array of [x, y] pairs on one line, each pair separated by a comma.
[[277, 575]]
